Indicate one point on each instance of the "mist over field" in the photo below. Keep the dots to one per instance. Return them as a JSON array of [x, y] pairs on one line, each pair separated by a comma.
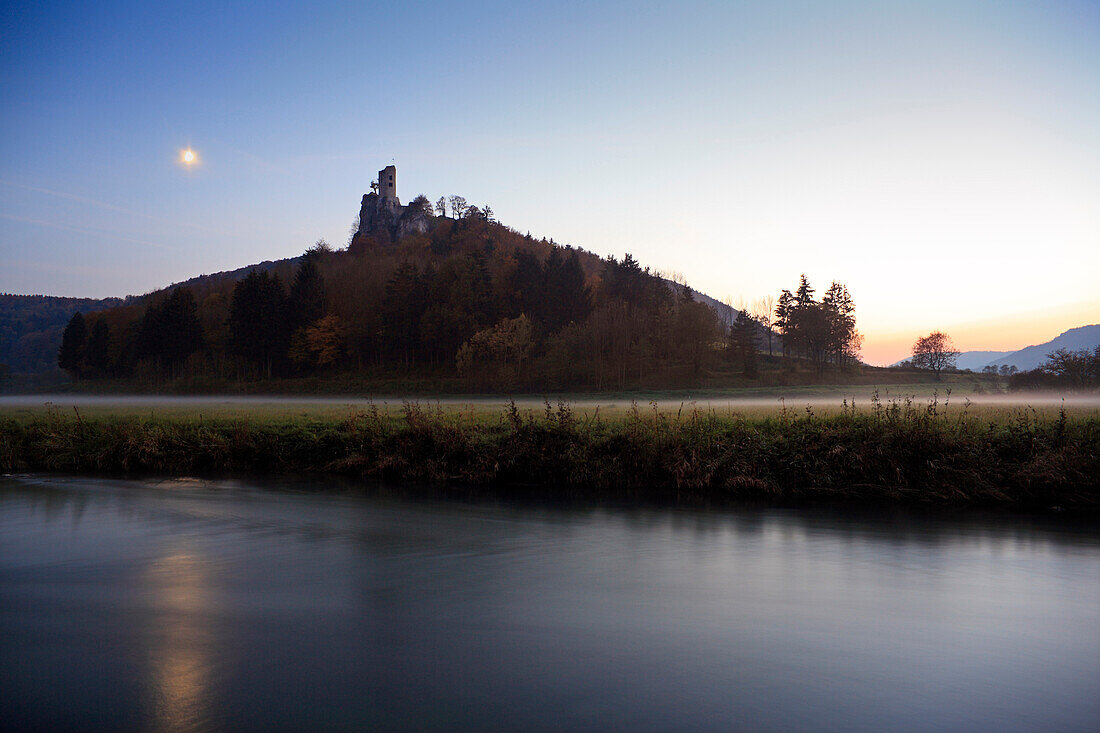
[[609, 404]]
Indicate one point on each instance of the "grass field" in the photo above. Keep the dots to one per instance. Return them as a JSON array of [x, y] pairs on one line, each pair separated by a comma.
[[877, 447]]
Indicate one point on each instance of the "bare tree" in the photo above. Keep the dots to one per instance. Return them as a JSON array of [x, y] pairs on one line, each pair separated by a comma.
[[763, 311], [441, 206], [458, 206], [934, 351]]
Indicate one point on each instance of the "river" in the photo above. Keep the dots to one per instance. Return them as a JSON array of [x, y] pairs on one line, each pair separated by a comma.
[[197, 605]]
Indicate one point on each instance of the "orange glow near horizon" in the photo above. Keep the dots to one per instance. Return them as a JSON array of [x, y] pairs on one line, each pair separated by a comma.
[[1011, 332]]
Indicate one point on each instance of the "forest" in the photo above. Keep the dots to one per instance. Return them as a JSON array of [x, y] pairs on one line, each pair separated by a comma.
[[31, 326], [471, 302]]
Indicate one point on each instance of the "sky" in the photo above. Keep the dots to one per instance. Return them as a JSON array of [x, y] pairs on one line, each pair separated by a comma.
[[941, 159]]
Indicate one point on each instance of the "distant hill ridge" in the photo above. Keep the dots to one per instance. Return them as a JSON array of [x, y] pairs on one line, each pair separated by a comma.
[[975, 360], [31, 326], [1030, 357]]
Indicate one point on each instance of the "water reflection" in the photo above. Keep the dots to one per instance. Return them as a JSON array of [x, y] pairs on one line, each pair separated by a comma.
[[179, 641], [177, 605]]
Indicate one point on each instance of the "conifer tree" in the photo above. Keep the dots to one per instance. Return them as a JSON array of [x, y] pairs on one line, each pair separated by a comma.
[[70, 356], [257, 321], [98, 356], [306, 302]]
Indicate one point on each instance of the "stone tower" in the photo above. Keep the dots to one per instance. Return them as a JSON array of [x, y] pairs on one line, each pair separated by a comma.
[[387, 183], [383, 218]]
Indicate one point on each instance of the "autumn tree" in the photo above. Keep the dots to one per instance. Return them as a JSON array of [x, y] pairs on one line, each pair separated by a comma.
[[321, 344], [934, 351], [496, 356]]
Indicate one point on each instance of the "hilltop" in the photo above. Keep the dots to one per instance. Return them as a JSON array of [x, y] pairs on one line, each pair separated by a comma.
[[463, 301], [443, 297]]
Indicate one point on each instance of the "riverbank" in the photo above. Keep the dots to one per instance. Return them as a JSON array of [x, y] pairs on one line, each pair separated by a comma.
[[900, 451]]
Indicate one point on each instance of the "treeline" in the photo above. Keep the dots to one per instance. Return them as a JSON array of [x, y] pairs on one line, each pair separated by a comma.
[[1064, 369], [821, 332], [470, 301], [31, 326]]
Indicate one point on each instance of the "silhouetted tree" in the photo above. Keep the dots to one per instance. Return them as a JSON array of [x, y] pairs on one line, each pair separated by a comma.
[[934, 351], [98, 354], [783, 309], [763, 312], [458, 206], [70, 356], [258, 321], [820, 332], [420, 204], [306, 302], [170, 331], [842, 339], [696, 330], [565, 298], [403, 307], [743, 343]]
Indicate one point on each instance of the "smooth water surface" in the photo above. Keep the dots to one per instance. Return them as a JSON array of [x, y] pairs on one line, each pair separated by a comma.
[[182, 605]]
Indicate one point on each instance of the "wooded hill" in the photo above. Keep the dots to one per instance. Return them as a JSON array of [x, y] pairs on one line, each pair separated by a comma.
[[31, 326], [470, 303], [470, 299]]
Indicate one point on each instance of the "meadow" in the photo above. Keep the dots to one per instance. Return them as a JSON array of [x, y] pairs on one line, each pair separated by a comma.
[[931, 449]]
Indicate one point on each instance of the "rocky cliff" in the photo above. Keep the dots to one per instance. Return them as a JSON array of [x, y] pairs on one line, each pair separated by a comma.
[[386, 220]]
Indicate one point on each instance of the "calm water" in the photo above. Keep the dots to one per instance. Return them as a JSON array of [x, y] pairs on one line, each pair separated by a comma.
[[184, 605]]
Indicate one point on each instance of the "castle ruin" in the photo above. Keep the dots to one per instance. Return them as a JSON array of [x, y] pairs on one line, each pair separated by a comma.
[[381, 215]]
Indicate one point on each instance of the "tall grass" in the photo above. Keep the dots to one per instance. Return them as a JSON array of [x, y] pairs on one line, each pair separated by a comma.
[[899, 450]]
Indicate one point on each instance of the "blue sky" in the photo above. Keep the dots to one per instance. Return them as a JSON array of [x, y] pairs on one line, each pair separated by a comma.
[[941, 159]]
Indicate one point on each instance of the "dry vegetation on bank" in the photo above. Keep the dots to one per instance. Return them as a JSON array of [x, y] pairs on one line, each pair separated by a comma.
[[894, 449]]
